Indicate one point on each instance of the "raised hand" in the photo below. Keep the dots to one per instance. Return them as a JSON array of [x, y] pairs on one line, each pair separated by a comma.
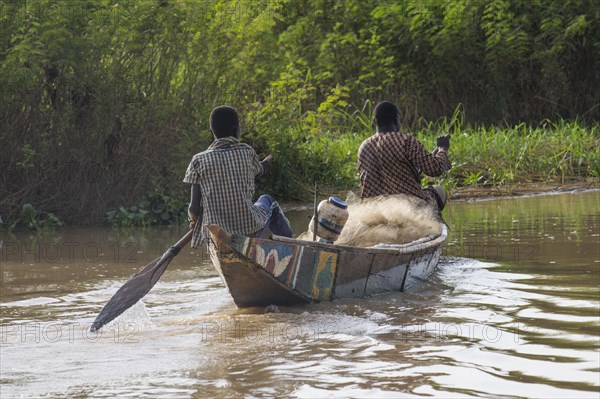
[[443, 142]]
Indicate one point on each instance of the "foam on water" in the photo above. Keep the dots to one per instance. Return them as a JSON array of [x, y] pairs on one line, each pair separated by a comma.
[[136, 315]]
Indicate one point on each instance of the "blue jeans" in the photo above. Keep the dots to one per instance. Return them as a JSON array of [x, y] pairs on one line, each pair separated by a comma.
[[277, 223]]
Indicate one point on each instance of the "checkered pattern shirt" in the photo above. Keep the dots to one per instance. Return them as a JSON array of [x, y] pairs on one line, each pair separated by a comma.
[[225, 173], [392, 163]]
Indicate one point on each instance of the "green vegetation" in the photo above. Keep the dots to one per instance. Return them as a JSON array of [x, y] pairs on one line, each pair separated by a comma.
[[158, 207], [481, 156], [102, 101], [552, 153], [35, 220]]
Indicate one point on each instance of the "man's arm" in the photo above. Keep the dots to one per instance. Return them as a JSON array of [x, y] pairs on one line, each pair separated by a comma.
[[195, 208], [266, 165], [369, 169], [432, 164]]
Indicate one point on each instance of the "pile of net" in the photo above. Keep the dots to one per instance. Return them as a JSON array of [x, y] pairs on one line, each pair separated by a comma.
[[394, 219]]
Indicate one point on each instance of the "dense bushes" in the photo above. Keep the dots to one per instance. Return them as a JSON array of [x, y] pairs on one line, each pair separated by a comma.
[[103, 101]]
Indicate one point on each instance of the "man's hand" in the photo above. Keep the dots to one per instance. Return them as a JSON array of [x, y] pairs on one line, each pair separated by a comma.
[[266, 164], [443, 142]]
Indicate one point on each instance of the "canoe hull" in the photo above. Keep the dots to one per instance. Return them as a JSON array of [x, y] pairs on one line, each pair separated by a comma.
[[250, 285], [283, 271]]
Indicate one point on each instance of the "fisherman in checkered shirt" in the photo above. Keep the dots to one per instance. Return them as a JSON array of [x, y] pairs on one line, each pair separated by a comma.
[[391, 162], [223, 183]]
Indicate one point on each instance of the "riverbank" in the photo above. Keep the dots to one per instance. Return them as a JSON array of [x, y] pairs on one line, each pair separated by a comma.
[[479, 193], [520, 190], [486, 161]]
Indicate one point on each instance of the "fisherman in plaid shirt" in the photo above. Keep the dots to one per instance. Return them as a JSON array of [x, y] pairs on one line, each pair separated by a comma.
[[222, 179], [391, 162]]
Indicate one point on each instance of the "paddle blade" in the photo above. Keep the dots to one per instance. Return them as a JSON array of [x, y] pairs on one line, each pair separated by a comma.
[[132, 291]]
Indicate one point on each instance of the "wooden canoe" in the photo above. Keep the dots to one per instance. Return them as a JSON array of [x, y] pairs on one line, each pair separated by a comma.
[[285, 271]]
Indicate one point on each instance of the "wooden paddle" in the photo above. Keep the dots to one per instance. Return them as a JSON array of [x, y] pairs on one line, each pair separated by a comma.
[[138, 285]]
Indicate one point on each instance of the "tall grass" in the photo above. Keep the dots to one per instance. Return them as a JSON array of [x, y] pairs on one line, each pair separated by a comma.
[[496, 156], [485, 156]]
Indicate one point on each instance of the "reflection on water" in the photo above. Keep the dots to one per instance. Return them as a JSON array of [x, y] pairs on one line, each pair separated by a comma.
[[512, 311]]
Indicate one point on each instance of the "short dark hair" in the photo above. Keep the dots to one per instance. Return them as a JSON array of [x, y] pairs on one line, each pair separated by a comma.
[[385, 114], [224, 121]]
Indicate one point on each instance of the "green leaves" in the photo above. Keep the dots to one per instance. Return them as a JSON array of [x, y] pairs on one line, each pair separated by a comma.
[[125, 88], [159, 206], [36, 220]]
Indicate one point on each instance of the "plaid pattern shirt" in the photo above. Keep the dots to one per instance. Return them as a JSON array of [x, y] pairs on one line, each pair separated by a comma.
[[391, 163], [225, 173]]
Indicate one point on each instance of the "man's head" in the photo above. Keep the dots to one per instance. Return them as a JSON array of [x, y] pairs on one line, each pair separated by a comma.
[[387, 117], [225, 122]]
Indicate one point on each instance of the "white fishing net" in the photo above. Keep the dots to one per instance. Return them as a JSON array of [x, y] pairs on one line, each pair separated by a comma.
[[394, 219]]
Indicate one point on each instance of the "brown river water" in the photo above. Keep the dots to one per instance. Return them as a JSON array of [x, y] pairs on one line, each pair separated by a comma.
[[512, 311]]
